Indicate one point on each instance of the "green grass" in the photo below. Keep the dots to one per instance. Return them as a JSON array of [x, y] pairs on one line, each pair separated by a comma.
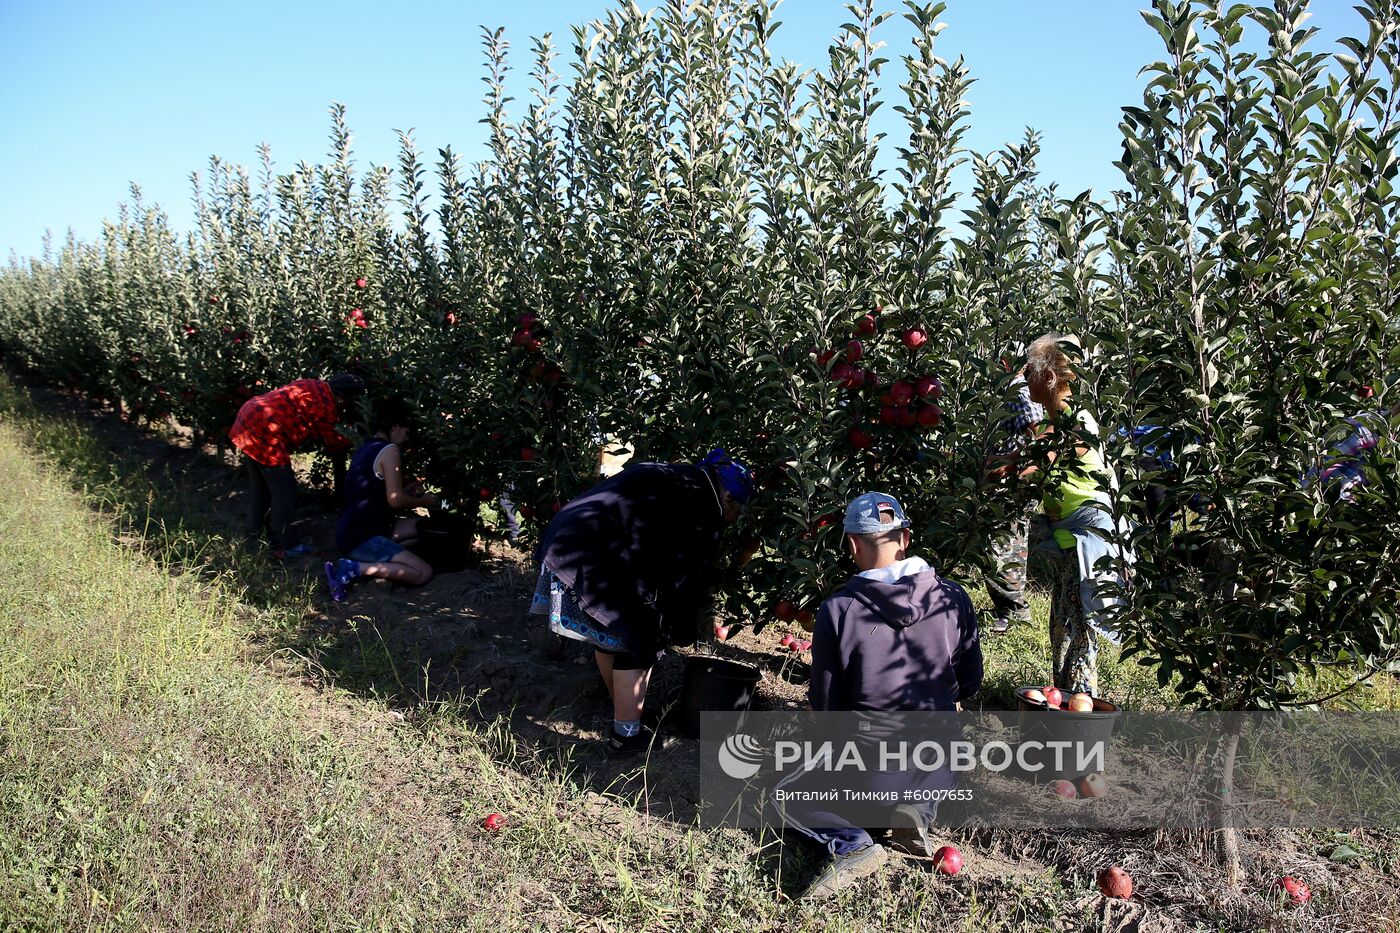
[[154, 777], [158, 773]]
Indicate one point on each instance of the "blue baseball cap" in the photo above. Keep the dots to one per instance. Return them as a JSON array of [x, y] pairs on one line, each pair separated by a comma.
[[863, 514], [733, 475]]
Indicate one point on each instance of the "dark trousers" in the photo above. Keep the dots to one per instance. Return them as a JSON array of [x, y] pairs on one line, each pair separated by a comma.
[[272, 495]]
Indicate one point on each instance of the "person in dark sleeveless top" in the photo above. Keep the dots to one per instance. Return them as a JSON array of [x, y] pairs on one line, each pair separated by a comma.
[[370, 535]]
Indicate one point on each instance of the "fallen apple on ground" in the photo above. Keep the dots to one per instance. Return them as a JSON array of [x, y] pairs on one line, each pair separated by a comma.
[[948, 860], [722, 632], [786, 641], [494, 822], [1093, 785], [1063, 789], [1298, 893], [1115, 882]]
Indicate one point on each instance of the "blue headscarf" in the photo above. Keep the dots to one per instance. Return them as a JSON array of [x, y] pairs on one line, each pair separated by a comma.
[[733, 475]]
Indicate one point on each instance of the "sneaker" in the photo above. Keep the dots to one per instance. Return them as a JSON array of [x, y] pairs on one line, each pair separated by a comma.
[[1001, 625], [625, 746], [909, 832], [845, 869], [339, 575]]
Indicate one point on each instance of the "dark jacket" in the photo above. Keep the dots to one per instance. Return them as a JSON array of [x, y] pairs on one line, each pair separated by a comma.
[[638, 550], [907, 645]]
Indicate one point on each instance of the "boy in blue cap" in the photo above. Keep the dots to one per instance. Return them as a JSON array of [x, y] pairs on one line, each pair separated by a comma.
[[895, 637]]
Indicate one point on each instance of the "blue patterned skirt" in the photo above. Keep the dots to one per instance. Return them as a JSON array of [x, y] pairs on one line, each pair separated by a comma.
[[568, 619]]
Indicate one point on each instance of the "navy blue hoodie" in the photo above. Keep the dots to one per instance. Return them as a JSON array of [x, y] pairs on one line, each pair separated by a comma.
[[907, 645]]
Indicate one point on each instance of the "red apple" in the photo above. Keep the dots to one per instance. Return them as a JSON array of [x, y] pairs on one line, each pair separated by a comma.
[[450, 318], [1063, 789], [841, 372], [902, 393], [929, 386], [854, 351], [1093, 785], [860, 439], [825, 357], [1081, 703], [360, 282], [914, 338], [1298, 892], [721, 632], [1366, 392], [526, 321], [930, 416], [1115, 882], [855, 380], [1053, 697], [494, 822], [948, 860], [528, 454], [520, 338], [1035, 696], [905, 417], [484, 493], [866, 325], [785, 610], [787, 640], [803, 645], [888, 415]]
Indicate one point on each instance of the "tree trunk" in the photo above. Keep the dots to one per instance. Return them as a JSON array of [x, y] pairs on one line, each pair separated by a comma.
[[1229, 835]]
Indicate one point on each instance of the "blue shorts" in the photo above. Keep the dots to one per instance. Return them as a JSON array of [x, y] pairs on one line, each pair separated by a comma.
[[377, 550]]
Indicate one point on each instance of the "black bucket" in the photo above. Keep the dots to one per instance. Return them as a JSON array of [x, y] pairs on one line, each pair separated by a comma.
[[1041, 724], [445, 542], [713, 685]]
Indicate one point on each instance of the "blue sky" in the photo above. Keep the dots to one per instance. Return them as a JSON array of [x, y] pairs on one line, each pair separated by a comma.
[[94, 96]]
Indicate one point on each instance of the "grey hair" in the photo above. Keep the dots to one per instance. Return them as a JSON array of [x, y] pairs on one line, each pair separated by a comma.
[[1045, 358]]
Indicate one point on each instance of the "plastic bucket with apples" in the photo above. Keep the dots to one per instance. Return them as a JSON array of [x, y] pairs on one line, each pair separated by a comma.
[[713, 684], [445, 542], [1040, 724]]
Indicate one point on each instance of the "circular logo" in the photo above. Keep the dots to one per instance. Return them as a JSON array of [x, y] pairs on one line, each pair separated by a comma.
[[740, 756]]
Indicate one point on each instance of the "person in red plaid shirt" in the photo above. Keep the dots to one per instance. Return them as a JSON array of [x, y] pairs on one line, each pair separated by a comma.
[[269, 428]]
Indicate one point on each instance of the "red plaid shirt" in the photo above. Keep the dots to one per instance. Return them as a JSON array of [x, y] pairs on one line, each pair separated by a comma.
[[269, 427]]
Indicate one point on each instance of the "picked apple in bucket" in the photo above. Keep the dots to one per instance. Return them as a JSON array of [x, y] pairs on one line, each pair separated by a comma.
[[1050, 696]]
